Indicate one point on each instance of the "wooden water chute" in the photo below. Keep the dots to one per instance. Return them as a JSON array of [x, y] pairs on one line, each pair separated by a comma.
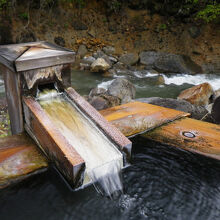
[[30, 67]]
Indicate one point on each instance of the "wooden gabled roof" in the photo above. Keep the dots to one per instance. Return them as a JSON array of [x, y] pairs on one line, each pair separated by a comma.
[[28, 56]]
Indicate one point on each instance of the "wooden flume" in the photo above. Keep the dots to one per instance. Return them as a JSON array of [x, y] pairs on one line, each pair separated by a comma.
[[182, 132], [28, 67]]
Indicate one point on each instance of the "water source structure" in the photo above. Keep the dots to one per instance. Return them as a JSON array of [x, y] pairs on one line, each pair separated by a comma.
[[83, 145]]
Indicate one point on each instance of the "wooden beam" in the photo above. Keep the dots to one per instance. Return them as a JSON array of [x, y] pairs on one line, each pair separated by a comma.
[[189, 134], [19, 159], [136, 117], [53, 143]]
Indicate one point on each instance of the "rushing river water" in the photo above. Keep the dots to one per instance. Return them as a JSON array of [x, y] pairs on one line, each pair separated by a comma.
[[163, 183]]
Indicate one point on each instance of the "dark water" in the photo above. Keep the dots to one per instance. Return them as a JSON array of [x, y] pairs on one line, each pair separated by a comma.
[[162, 183]]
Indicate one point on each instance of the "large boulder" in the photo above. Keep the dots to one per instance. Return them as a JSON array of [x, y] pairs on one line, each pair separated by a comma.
[[123, 89], [197, 112], [199, 95], [169, 63], [114, 93], [215, 113], [100, 65], [129, 59]]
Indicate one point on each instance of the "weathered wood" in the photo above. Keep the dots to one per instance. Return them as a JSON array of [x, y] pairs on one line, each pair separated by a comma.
[[19, 159], [205, 142], [13, 95], [136, 117], [32, 55], [110, 131], [190, 134], [35, 58], [53, 143]]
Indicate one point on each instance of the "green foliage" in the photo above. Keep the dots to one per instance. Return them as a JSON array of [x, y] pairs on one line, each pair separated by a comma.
[[162, 27], [24, 16], [207, 10], [209, 13], [4, 4]]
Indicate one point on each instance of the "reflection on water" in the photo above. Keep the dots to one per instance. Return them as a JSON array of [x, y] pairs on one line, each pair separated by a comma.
[[103, 160], [163, 183]]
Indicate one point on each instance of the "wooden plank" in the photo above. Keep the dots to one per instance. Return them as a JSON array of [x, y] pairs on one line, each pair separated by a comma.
[[123, 143], [19, 158], [136, 117], [13, 94], [189, 134], [53, 143], [35, 58]]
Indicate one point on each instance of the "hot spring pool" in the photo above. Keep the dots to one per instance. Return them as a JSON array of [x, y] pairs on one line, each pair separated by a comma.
[[163, 183]]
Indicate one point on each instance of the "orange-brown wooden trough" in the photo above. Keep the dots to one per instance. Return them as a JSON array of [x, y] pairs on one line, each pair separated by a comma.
[[156, 123], [32, 68]]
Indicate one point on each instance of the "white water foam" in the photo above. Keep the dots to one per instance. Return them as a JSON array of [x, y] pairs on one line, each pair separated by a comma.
[[213, 80], [103, 160], [105, 85], [177, 79]]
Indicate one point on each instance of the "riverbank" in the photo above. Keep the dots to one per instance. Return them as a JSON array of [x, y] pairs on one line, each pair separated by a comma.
[[129, 30]]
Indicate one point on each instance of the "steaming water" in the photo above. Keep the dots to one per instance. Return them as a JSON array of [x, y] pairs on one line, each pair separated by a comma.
[[103, 161]]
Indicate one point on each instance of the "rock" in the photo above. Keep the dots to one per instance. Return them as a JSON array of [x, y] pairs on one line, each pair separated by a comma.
[[199, 95], [113, 59], [129, 59], [104, 101], [88, 60], [216, 93], [101, 54], [84, 66], [109, 50], [194, 31], [197, 112], [82, 51], [215, 113], [98, 54], [79, 25], [97, 91], [123, 89], [99, 103], [120, 66], [59, 41], [100, 65], [169, 63]]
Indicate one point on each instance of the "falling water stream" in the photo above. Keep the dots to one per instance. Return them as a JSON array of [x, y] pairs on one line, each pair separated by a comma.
[[102, 158]]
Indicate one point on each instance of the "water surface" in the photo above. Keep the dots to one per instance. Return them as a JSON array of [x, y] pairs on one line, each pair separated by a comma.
[[163, 183]]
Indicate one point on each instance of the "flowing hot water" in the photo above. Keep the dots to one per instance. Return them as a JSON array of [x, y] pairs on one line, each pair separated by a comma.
[[103, 160]]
